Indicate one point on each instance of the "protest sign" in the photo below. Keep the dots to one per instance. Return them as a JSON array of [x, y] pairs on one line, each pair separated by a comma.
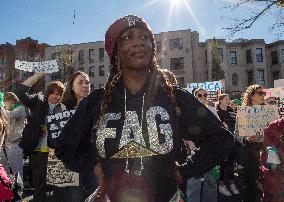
[[43, 67], [252, 120], [57, 174], [278, 93], [213, 88]]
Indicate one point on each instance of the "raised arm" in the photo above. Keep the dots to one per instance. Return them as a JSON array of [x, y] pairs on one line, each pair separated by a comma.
[[22, 90]]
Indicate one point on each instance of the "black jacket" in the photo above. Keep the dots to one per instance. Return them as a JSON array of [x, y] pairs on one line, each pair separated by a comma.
[[38, 106], [163, 131]]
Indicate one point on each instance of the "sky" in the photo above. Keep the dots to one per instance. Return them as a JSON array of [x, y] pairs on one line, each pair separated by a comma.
[[51, 21]]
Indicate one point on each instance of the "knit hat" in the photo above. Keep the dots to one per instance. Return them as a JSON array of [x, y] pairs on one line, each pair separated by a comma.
[[118, 27]]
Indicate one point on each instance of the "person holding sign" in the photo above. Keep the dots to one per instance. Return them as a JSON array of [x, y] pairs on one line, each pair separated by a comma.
[[78, 87], [254, 95], [34, 139], [136, 124]]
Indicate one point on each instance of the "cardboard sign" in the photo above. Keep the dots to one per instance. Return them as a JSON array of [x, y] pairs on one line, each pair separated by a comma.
[[45, 66], [57, 174], [253, 120]]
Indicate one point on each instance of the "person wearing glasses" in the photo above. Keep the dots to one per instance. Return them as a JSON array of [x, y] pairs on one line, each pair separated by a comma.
[[254, 95], [204, 188], [202, 96]]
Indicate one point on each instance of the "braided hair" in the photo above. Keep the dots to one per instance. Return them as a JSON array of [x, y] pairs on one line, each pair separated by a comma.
[[158, 79]]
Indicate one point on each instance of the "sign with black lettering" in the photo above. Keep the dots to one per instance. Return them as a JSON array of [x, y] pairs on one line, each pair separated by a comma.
[[44, 66], [55, 124]]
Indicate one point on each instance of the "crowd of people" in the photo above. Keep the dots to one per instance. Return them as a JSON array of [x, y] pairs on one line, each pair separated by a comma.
[[141, 138]]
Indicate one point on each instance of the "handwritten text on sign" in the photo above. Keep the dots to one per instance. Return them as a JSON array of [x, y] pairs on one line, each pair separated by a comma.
[[45, 66], [57, 121], [253, 120]]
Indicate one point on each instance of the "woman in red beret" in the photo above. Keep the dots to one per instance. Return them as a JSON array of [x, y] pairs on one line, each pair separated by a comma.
[[133, 129]]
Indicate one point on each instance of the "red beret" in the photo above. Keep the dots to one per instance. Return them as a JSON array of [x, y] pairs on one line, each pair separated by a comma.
[[118, 27]]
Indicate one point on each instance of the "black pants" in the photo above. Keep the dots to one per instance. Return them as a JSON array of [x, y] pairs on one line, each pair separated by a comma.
[[252, 171], [227, 169], [39, 165]]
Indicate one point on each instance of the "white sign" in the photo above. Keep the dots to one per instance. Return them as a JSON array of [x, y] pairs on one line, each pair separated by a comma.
[[208, 86], [57, 174], [279, 83], [44, 67]]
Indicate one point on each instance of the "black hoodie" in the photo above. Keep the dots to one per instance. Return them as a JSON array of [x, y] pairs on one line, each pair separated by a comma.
[[82, 145]]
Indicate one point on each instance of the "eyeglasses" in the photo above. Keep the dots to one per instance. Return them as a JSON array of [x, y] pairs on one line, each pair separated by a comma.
[[200, 95], [261, 93]]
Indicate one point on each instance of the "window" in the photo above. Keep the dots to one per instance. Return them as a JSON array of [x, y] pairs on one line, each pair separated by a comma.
[[205, 57], [81, 68], [101, 70], [2, 61], [250, 77], [235, 79], [56, 56], [2, 76], [248, 56], [91, 55], [274, 57], [177, 63], [275, 75], [159, 46], [92, 86], [81, 57], [101, 54], [159, 63], [258, 54], [233, 57], [92, 71], [180, 82], [176, 44], [282, 55], [220, 54], [260, 77]]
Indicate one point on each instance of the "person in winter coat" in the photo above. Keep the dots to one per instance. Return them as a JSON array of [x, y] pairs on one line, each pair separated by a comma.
[[204, 188], [17, 114], [138, 122], [34, 138]]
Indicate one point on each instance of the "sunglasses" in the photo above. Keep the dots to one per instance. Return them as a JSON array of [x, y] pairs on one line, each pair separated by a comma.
[[261, 93], [200, 95]]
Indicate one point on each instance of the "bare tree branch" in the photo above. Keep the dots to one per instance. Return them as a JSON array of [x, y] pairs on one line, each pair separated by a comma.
[[241, 24]]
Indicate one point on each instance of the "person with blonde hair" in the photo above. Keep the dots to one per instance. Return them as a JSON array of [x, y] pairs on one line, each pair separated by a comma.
[[254, 95]]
